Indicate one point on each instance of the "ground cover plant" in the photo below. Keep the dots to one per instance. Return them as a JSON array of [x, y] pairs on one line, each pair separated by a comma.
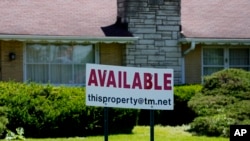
[[224, 100]]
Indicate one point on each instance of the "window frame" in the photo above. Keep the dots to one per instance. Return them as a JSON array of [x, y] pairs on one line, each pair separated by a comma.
[[96, 60], [226, 58], [211, 66]]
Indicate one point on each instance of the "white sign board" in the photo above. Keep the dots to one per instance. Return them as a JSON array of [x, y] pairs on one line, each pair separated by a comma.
[[129, 87]]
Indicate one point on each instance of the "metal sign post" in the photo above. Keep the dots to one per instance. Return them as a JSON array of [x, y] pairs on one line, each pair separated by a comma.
[[106, 133], [151, 125]]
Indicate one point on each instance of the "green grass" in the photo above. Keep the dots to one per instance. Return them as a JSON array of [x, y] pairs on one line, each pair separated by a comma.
[[142, 133]]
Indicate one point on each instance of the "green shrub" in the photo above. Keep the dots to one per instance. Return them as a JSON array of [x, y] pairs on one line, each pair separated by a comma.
[[181, 114], [227, 82], [122, 120], [186, 92], [3, 120], [50, 111], [216, 125], [239, 111], [223, 100], [206, 105]]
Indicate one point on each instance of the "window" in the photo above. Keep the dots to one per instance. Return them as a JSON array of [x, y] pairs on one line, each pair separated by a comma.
[[57, 64], [216, 59], [239, 58], [213, 60]]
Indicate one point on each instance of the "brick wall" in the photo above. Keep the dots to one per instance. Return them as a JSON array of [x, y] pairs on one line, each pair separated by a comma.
[[157, 26], [11, 70]]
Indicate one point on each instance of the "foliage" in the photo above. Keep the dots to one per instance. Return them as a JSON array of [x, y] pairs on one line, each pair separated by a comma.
[[233, 82], [240, 111], [186, 92], [215, 125], [3, 120], [12, 136], [223, 100], [54, 111], [205, 105], [178, 116]]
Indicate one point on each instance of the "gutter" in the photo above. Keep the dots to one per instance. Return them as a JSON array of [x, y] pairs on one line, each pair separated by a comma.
[[192, 47], [216, 41], [67, 39]]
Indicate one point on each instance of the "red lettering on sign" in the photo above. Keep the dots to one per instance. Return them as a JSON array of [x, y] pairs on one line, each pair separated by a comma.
[[111, 79], [92, 78], [157, 87], [137, 81], [148, 81], [167, 82], [125, 85], [102, 77]]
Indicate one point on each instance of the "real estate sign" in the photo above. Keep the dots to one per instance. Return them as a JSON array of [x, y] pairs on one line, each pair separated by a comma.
[[129, 87]]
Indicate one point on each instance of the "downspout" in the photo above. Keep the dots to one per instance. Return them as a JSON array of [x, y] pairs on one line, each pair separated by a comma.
[[192, 47]]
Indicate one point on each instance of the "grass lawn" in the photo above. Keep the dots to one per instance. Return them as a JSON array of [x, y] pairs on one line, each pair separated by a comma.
[[142, 133]]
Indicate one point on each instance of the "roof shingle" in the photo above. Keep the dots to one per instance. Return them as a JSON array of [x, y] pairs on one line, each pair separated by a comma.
[[215, 19], [56, 17]]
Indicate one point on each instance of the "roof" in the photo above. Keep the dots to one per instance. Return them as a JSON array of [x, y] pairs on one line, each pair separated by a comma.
[[56, 17], [220, 19]]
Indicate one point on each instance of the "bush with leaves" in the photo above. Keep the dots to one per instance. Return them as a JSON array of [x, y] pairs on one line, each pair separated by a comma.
[[232, 82], [15, 136], [3, 120], [224, 100], [215, 125], [56, 111], [178, 116]]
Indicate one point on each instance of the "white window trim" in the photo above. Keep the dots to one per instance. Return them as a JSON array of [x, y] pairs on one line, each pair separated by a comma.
[[226, 55], [97, 59]]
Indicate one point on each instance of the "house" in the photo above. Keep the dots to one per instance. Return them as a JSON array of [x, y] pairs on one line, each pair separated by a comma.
[[194, 37], [52, 40], [215, 36], [39, 39]]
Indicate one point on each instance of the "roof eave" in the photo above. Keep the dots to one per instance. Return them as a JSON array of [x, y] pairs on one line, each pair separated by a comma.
[[67, 39], [216, 41]]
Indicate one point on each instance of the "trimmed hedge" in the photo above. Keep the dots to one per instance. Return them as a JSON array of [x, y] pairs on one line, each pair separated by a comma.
[[224, 100], [3, 120], [50, 111]]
